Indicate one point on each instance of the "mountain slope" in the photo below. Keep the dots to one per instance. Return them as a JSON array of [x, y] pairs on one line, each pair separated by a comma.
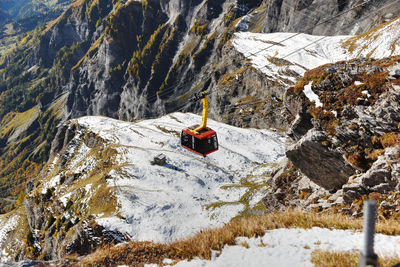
[[21, 16], [169, 201], [142, 59], [20, 9], [102, 177]]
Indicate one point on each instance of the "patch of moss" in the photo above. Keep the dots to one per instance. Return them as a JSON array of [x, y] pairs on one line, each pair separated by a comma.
[[390, 139], [326, 118]]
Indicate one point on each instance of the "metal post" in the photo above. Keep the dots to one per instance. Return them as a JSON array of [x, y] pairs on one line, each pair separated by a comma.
[[367, 256]]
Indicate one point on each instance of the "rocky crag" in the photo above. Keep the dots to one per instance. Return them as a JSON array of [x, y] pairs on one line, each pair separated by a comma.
[[344, 149]]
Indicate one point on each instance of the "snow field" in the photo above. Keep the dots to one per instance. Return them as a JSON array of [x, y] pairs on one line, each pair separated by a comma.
[[165, 203]]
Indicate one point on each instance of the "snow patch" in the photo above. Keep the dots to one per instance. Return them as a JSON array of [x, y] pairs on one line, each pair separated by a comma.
[[366, 92], [243, 24], [64, 199], [293, 247], [51, 184], [311, 95]]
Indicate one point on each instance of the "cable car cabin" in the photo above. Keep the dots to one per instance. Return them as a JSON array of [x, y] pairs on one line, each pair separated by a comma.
[[199, 138], [203, 143]]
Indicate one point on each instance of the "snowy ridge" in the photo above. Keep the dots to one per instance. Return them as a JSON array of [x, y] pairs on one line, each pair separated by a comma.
[[164, 203], [380, 42], [286, 56], [273, 56]]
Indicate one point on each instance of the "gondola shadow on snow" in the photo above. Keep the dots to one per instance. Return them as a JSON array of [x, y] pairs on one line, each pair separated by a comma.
[[173, 167]]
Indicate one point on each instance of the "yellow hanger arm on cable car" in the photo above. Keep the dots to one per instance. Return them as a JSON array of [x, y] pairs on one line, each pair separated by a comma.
[[203, 124]]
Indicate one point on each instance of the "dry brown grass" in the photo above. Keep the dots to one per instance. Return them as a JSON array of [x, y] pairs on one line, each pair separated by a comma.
[[200, 245], [341, 259]]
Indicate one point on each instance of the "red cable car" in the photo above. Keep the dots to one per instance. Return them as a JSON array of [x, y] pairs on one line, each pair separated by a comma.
[[199, 138]]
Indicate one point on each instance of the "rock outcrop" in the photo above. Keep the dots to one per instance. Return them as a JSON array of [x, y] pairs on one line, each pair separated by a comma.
[[348, 148], [57, 227], [324, 166]]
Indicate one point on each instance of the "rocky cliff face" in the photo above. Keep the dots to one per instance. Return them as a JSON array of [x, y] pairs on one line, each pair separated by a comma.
[[345, 148], [165, 70], [318, 17]]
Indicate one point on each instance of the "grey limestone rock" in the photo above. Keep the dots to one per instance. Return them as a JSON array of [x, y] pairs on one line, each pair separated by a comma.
[[352, 192], [325, 167], [300, 16], [379, 177]]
